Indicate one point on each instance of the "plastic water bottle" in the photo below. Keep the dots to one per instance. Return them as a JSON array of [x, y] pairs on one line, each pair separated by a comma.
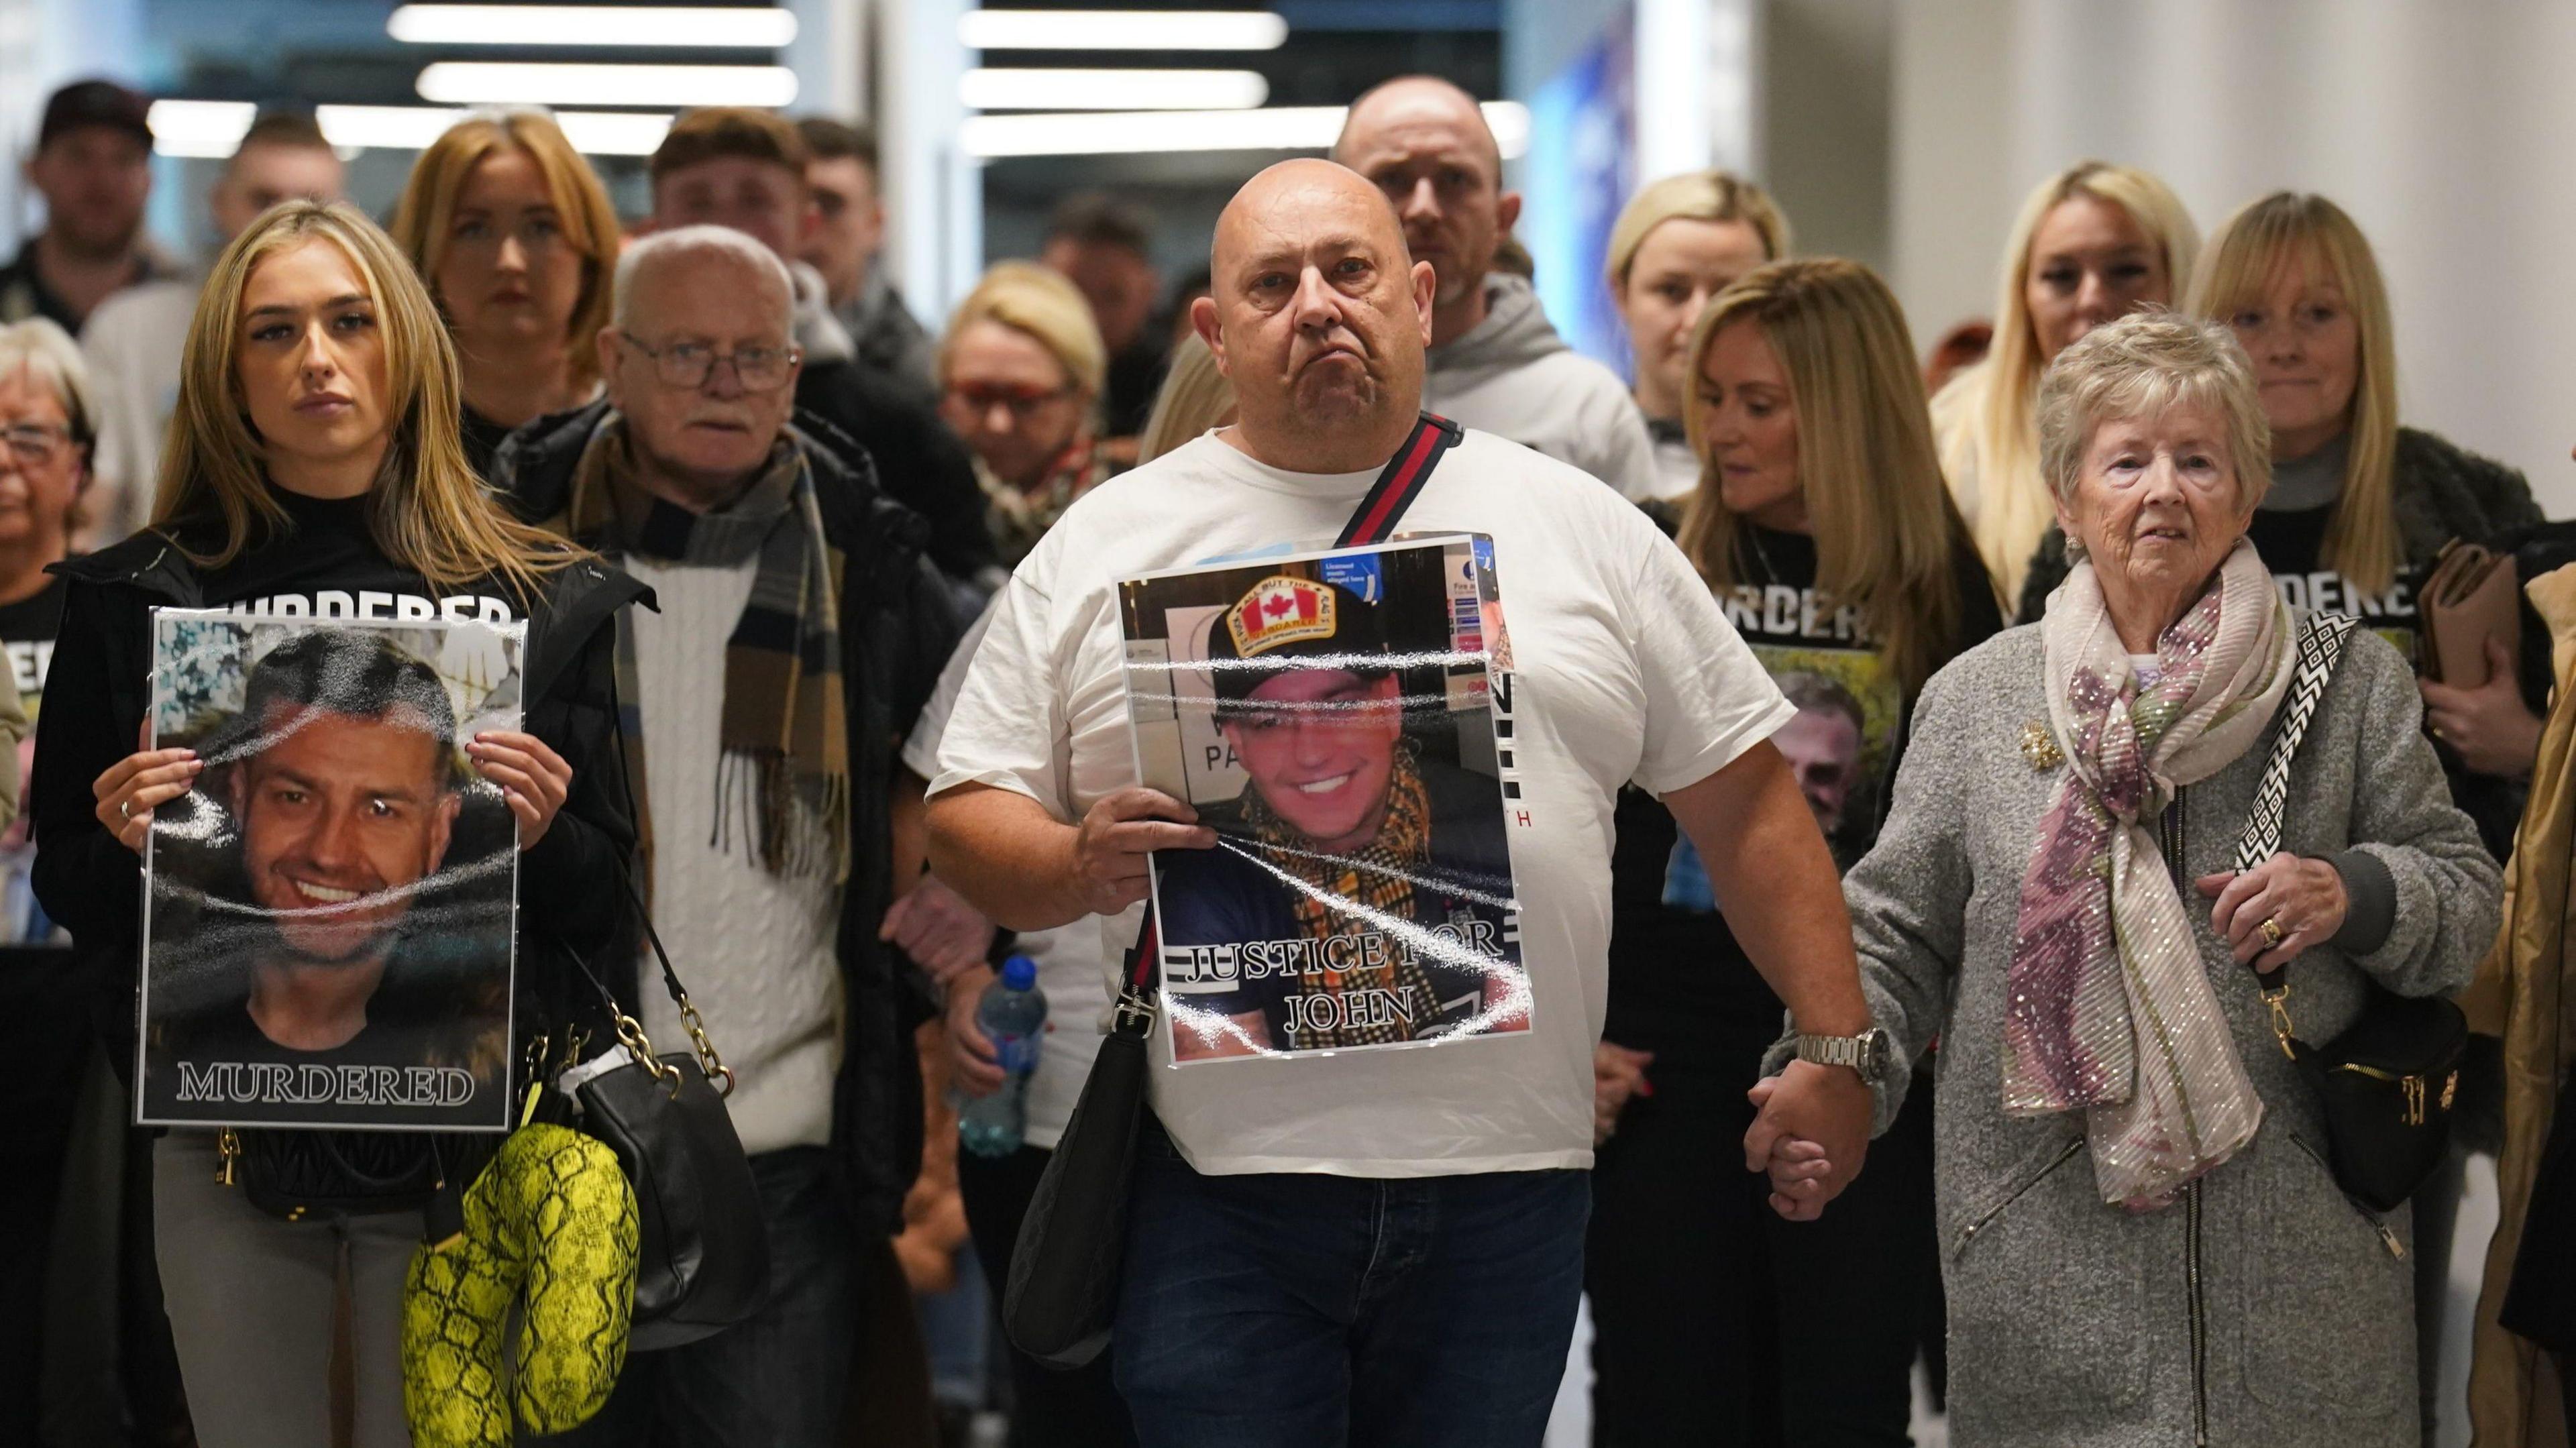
[[1013, 1017]]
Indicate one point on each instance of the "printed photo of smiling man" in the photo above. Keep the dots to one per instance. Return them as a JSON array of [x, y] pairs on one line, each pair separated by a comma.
[[329, 934], [1335, 719]]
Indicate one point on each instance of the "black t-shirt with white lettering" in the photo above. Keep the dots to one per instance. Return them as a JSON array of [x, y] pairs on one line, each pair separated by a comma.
[[327, 565], [2292, 542], [27, 631], [1679, 982]]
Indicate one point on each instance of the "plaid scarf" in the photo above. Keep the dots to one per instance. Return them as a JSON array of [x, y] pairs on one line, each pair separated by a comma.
[[782, 780], [2112, 1012], [1017, 518], [1378, 876]]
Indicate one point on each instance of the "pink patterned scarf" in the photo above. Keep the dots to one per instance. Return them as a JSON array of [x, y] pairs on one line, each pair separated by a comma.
[[2110, 1009]]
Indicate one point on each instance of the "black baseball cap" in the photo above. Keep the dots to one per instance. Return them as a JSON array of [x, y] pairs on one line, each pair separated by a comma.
[[1283, 624], [95, 102]]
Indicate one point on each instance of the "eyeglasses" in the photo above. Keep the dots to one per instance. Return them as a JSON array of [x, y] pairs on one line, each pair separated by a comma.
[[979, 398], [34, 444], [690, 364]]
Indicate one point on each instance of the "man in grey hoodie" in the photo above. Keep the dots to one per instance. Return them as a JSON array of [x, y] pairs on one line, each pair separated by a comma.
[[1495, 363]]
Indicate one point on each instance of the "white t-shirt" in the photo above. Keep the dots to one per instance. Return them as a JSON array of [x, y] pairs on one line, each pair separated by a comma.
[[1073, 973], [1625, 670]]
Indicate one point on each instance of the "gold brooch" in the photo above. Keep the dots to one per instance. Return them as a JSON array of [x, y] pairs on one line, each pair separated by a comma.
[[2040, 747]]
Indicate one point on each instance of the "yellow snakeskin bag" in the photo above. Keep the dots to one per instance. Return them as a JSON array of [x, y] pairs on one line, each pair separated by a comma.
[[550, 1224]]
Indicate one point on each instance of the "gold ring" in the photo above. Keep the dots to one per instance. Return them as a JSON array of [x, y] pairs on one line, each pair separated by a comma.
[[2271, 929], [125, 809]]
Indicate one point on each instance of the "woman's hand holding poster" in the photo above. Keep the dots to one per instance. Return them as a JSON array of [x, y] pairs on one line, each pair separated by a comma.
[[328, 926]]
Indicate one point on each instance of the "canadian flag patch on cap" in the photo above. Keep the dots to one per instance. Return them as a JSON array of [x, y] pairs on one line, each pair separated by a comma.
[[1280, 610]]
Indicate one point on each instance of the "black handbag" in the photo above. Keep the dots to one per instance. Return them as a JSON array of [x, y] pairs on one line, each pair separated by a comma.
[[702, 1249], [1063, 1292], [2385, 1085]]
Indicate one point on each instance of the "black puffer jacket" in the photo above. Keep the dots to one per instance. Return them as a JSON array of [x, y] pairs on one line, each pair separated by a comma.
[[897, 630], [2440, 492]]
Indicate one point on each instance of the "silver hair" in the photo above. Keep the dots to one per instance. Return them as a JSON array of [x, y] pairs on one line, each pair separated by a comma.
[[685, 241], [51, 356], [2148, 362]]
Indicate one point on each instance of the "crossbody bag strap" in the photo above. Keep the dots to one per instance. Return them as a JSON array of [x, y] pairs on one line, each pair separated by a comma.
[[1373, 521], [2320, 649], [630, 1031]]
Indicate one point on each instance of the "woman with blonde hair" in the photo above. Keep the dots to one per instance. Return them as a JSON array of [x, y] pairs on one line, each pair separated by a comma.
[[1020, 377], [1195, 397], [1677, 243], [1822, 524], [2358, 511], [2092, 243], [314, 465], [516, 237]]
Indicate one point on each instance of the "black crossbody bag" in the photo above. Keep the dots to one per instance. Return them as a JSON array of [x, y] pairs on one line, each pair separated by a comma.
[[2385, 1084], [702, 1247], [1063, 1292]]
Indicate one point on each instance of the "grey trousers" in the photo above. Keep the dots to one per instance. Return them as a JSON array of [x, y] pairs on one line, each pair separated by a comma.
[[250, 1300]]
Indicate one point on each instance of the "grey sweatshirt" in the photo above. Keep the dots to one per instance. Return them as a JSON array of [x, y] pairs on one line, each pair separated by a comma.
[[2270, 1307], [1512, 376]]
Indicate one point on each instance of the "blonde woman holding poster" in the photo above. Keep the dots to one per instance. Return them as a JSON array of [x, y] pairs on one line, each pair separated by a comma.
[[315, 472]]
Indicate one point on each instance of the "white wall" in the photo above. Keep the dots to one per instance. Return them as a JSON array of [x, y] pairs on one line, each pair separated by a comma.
[[2444, 128]]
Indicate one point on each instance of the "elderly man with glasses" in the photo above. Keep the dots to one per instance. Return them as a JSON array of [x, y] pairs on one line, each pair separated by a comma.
[[799, 631]]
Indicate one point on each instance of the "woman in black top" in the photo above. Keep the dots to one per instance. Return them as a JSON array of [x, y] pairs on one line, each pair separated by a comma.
[[1822, 523], [518, 241], [315, 470]]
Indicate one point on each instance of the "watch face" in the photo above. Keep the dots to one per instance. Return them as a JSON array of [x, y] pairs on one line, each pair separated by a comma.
[[1874, 1049]]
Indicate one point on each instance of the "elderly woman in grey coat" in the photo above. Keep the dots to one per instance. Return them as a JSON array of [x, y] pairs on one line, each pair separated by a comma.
[[2140, 1236]]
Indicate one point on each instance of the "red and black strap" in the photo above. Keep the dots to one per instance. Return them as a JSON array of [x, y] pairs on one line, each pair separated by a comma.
[[1373, 521]]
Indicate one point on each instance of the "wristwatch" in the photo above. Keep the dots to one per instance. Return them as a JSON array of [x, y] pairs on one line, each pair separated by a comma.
[[1865, 1053]]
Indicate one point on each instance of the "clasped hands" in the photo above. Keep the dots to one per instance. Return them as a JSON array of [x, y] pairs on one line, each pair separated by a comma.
[[1810, 1131]]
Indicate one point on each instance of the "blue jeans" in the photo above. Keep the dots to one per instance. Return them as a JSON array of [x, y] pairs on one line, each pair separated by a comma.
[[1309, 1311], [777, 1380]]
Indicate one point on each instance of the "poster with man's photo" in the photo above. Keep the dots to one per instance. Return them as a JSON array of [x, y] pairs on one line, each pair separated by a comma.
[[328, 916], [1333, 717], [1840, 746]]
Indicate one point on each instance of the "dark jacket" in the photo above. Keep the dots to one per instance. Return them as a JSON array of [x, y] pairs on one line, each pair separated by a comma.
[[95, 701], [2440, 492], [896, 633], [914, 458]]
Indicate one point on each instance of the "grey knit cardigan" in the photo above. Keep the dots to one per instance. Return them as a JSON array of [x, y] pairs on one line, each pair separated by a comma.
[[2266, 1307]]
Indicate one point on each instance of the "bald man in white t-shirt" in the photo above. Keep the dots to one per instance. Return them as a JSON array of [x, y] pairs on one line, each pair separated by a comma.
[[1386, 1246]]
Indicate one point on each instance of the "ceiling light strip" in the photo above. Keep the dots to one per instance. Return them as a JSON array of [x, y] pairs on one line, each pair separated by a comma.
[[997, 89], [696, 26], [476, 82], [1121, 30], [1275, 128]]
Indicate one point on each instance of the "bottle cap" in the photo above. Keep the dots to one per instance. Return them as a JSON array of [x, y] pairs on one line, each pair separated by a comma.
[[1019, 973]]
